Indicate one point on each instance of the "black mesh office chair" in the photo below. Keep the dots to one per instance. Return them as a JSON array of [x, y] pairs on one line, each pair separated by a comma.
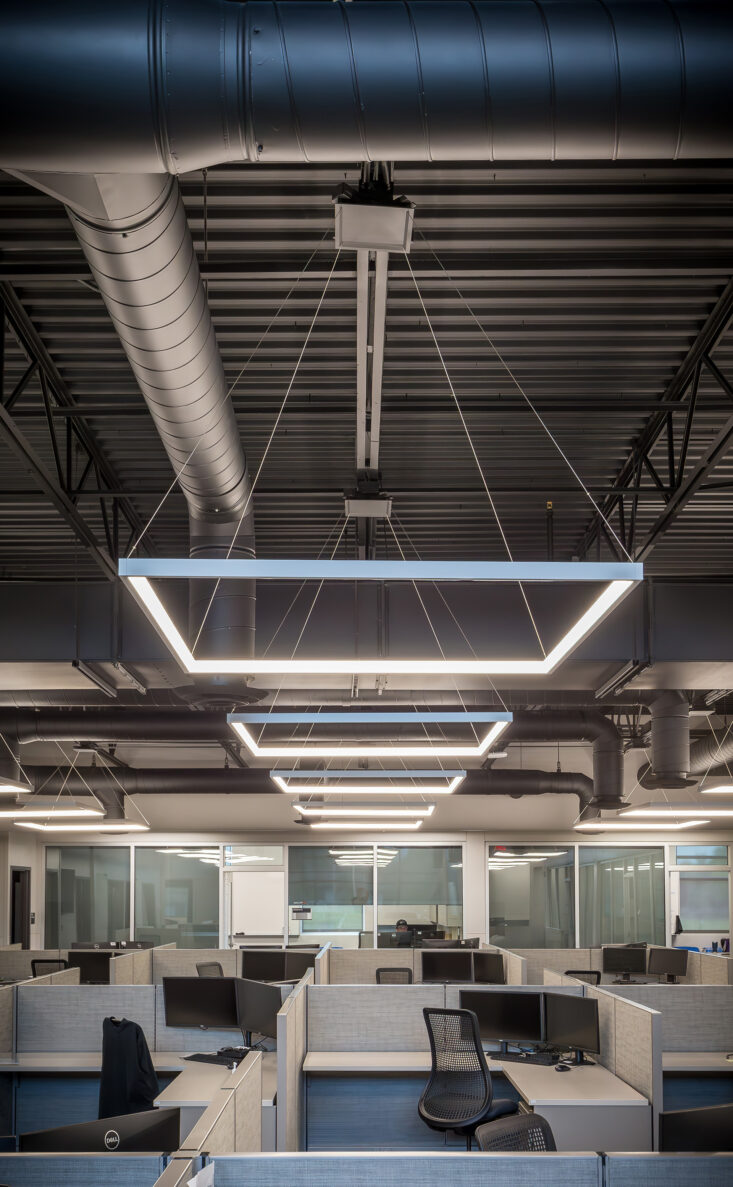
[[394, 976], [44, 965], [527, 1132], [459, 1094], [590, 976], [210, 968]]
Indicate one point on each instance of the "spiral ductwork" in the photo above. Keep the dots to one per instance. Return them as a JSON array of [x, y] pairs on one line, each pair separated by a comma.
[[169, 86]]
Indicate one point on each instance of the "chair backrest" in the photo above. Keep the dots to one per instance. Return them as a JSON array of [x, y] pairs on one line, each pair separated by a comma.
[[526, 1131], [51, 964], [210, 968], [592, 976], [429, 943], [459, 1090], [394, 976]]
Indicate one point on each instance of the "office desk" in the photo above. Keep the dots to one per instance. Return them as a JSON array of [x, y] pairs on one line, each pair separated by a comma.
[[696, 1061], [368, 1100], [694, 1079], [193, 1090]]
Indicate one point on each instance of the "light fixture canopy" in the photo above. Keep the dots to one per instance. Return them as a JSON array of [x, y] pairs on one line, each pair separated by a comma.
[[138, 572], [240, 723]]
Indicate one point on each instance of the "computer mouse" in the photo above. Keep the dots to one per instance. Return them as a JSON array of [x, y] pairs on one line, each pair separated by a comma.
[[562, 1067], [729, 1057]]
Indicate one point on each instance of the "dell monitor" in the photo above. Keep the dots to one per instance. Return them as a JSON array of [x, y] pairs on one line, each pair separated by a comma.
[[505, 1016], [92, 963], [624, 961], [264, 965], [200, 1001], [488, 968], [441, 966], [297, 964], [571, 1023], [155, 1130], [257, 1008], [669, 962]]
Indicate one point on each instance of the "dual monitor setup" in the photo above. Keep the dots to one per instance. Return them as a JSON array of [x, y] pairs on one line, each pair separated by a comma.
[[276, 964], [445, 966], [549, 1022], [222, 1003], [636, 959]]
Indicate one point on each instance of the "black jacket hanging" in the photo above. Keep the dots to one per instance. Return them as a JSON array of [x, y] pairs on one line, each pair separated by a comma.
[[128, 1083]]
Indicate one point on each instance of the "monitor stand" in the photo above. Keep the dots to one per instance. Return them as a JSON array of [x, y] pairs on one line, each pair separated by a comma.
[[671, 979], [625, 979], [579, 1059]]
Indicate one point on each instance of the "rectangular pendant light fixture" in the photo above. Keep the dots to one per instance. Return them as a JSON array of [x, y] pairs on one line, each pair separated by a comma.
[[311, 809], [682, 811], [104, 826], [722, 789], [138, 572], [618, 826], [367, 825], [366, 782], [18, 814], [14, 786], [241, 722]]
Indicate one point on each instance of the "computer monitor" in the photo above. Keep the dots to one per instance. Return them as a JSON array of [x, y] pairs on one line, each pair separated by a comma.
[[506, 1016], [624, 961], [669, 962], [440, 942], [439, 965], [257, 1006], [488, 968], [297, 964], [155, 1130], [571, 1023], [200, 1001], [264, 965], [93, 964]]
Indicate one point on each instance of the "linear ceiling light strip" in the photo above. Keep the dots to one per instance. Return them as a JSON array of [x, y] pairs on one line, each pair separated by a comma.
[[524, 395], [473, 449], [366, 750], [270, 439]]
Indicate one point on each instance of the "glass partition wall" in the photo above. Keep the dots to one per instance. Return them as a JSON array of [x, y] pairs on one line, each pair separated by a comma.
[[87, 894], [532, 896], [177, 896], [621, 895]]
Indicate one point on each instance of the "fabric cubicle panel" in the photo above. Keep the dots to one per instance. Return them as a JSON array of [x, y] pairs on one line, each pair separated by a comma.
[[174, 1038], [413, 1169], [291, 1051], [142, 966], [11, 947], [60, 977], [69, 1018], [515, 967], [215, 1130], [15, 964], [358, 966], [322, 965], [232, 1123], [631, 1047], [550, 977], [7, 1018], [81, 1170], [715, 969], [668, 1170], [369, 1017], [557, 959], [694, 1017], [181, 962], [122, 969]]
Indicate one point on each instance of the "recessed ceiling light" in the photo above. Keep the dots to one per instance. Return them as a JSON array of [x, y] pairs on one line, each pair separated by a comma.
[[364, 749], [617, 826], [370, 786], [136, 573], [364, 810]]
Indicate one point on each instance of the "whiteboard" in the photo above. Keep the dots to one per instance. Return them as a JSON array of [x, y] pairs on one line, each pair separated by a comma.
[[258, 902]]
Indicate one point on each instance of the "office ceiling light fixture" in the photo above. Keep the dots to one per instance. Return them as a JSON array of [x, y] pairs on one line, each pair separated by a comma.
[[721, 789], [95, 678], [14, 786], [137, 573], [404, 826], [387, 810], [38, 807], [367, 782], [681, 810], [104, 826], [617, 826], [240, 723]]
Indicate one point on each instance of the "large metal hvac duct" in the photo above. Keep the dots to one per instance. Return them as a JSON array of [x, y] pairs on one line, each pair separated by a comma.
[[574, 725]]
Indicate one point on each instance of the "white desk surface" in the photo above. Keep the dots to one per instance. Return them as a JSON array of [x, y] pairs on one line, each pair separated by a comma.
[[590, 1084], [80, 1061], [198, 1082], [697, 1061]]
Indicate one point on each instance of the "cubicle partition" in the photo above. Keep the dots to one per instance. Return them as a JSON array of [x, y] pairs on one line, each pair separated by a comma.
[[322, 965], [693, 1017], [81, 1170], [631, 1047], [358, 966], [181, 962], [556, 959], [291, 1051], [15, 964], [7, 1018], [666, 1170], [60, 977], [708, 968], [231, 1122]]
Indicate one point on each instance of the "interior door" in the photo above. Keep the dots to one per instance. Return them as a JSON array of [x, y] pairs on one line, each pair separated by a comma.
[[20, 906]]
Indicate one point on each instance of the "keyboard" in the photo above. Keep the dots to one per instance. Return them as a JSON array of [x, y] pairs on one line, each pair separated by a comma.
[[223, 1058], [543, 1058]]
